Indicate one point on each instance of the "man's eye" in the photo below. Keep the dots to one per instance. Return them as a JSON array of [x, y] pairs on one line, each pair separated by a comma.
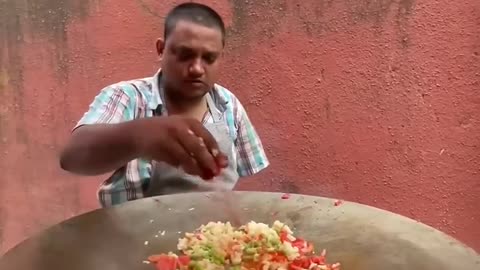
[[210, 58], [185, 56]]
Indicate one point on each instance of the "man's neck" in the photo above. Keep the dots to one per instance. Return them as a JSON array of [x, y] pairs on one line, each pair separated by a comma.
[[179, 105], [194, 108]]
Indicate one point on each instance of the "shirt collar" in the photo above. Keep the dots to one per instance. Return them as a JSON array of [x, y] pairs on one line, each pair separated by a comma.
[[156, 100]]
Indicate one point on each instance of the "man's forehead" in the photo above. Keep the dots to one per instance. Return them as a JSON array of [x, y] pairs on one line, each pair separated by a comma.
[[186, 33]]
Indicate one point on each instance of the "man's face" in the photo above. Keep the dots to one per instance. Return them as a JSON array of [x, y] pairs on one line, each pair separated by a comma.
[[190, 59]]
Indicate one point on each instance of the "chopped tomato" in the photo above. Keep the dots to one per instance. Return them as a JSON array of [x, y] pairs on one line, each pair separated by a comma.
[[277, 257], [303, 262], [294, 267], [166, 263], [183, 260], [308, 248], [283, 236], [286, 196], [208, 175], [318, 259], [156, 258], [299, 243]]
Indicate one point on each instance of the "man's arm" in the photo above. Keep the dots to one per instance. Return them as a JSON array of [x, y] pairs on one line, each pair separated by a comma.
[[103, 139], [109, 136], [99, 148], [251, 155]]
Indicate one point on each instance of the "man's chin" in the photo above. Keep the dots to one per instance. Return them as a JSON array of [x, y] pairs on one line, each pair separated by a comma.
[[194, 94], [188, 93]]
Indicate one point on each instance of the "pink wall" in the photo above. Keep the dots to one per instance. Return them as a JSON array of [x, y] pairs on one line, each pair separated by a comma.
[[371, 101]]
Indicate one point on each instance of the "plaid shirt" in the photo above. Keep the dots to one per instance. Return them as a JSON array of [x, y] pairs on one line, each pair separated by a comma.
[[135, 99]]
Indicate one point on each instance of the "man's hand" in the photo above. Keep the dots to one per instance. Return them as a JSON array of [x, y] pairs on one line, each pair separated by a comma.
[[181, 142]]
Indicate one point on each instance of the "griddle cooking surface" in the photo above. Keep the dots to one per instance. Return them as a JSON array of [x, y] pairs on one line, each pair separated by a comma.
[[122, 237]]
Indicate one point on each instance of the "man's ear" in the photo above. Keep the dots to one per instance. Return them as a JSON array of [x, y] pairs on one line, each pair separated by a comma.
[[160, 47]]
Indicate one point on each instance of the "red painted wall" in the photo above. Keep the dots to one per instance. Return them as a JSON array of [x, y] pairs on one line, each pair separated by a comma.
[[371, 101]]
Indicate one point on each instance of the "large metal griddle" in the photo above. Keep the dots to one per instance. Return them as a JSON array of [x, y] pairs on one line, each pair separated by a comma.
[[358, 236]]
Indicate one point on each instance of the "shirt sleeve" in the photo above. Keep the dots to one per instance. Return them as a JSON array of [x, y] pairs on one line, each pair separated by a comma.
[[115, 104], [251, 155], [112, 105]]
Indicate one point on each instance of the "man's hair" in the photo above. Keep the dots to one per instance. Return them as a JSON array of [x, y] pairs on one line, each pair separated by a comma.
[[195, 13]]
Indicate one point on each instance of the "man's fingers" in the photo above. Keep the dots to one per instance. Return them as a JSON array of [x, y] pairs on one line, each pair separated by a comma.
[[198, 150], [222, 160], [195, 149], [209, 141], [180, 157], [200, 131]]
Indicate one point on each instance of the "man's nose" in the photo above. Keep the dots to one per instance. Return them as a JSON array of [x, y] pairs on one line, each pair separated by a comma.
[[196, 68]]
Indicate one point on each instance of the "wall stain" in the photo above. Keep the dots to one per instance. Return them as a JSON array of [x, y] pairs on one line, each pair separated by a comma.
[[10, 37], [290, 187], [3, 218], [263, 18], [149, 10], [328, 108], [36, 18], [368, 11], [46, 19], [404, 10], [11, 62], [270, 15]]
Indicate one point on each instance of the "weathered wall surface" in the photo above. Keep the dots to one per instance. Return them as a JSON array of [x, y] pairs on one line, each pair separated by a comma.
[[371, 101]]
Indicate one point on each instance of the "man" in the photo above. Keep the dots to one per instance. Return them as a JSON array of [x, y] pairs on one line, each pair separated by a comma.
[[174, 132]]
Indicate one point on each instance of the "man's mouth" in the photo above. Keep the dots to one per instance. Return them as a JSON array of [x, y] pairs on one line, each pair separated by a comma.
[[194, 81]]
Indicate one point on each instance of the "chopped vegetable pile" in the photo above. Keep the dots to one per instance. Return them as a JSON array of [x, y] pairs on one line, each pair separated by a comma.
[[254, 246]]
